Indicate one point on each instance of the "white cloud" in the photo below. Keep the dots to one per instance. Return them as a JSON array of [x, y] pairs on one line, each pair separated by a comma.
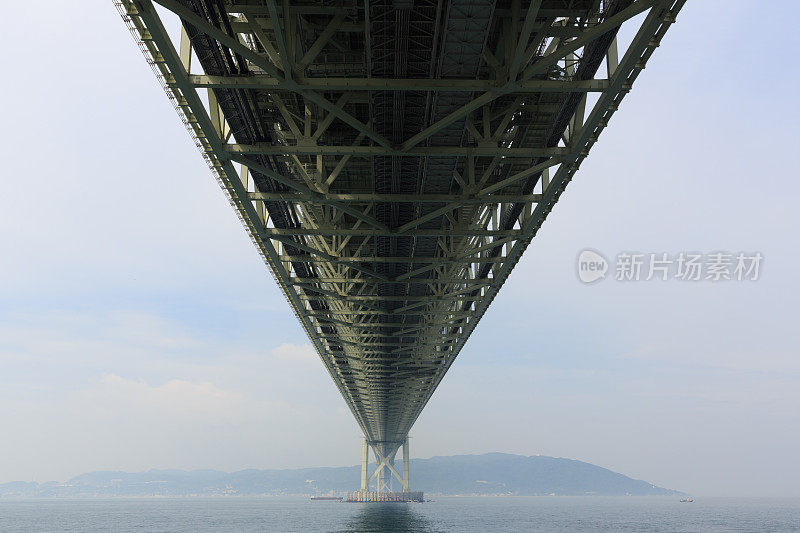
[[176, 395], [303, 352]]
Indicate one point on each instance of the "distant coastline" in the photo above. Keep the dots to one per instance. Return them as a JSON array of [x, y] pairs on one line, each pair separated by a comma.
[[491, 475]]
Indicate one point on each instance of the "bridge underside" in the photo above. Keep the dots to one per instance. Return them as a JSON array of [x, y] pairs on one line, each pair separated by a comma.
[[393, 159]]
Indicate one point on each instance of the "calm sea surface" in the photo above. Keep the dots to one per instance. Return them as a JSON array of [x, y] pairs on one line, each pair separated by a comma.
[[444, 514]]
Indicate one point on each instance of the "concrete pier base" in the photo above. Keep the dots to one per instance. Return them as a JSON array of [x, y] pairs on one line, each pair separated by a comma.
[[369, 496]]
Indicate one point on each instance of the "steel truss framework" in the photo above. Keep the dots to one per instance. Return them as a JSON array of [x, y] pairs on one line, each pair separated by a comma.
[[392, 160], [384, 468]]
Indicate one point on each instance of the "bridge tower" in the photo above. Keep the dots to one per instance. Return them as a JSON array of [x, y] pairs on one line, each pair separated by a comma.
[[384, 465]]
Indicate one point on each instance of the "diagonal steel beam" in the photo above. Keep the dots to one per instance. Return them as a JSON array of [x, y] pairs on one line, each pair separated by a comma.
[[525, 34], [286, 59], [318, 197], [320, 43], [483, 193], [541, 65], [267, 66]]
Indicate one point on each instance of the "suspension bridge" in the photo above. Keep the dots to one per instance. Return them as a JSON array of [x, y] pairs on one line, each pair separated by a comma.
[[393, 159]]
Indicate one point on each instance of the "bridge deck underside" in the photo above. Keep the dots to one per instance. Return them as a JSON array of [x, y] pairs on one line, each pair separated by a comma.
[[393, 159]]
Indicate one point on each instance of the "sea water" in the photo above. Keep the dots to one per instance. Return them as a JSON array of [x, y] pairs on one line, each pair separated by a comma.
[[467, 514]]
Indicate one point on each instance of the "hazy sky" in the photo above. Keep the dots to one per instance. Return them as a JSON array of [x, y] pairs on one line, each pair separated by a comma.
[[139, 328]]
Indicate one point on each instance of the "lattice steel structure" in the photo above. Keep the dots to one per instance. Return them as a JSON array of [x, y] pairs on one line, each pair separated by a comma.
[[393, 159]]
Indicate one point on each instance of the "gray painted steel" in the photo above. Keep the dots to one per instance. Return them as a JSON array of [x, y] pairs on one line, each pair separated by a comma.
[[393, 159]]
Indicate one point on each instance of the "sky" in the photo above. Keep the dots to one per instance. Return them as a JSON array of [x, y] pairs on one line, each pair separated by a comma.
[[139, 328]]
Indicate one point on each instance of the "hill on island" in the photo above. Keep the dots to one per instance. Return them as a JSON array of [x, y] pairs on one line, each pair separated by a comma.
[[490, 474]]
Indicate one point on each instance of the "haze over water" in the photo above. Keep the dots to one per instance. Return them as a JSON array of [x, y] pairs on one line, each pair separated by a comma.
[[465, 514]]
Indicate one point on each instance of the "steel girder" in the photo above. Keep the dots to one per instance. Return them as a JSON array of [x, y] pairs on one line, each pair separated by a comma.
[[392, 160]]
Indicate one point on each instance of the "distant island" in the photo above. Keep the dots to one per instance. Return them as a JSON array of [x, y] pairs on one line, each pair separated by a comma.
[[496, 474]]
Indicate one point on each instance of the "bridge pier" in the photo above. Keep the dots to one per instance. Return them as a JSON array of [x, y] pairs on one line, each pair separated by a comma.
[[383, 461], [364, 465], [405, 466]]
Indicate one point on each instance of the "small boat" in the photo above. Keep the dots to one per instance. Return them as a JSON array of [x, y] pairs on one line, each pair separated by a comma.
[[687, 500]]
